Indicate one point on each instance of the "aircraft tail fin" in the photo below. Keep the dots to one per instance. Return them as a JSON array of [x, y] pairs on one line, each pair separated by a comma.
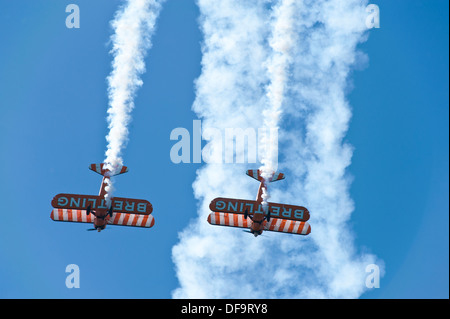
[[256, 174], [102, 170]]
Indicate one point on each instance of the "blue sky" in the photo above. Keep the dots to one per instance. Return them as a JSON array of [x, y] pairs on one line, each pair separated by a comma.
[[53, 103]]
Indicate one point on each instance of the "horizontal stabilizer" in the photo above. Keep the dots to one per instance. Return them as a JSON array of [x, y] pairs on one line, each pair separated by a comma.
[[256, 174], [102, 170]]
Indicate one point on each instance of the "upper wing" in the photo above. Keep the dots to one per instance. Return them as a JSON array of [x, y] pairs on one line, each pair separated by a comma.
[[119, 204], [239, 206]]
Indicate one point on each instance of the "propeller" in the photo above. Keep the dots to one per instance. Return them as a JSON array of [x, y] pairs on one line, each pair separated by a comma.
[[248, 231], [91, 229]]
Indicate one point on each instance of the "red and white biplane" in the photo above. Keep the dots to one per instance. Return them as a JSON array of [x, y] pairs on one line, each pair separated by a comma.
[[256, 218], [97, 210]]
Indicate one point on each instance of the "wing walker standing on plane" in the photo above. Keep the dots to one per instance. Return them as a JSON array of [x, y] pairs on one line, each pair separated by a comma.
[[252, 216], [96, 210]]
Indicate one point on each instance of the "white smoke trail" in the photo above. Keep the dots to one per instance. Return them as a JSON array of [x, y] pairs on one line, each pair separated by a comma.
[[133, 26], [281, 43], [220, 262]]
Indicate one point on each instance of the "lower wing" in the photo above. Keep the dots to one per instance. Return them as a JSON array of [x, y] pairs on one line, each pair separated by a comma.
[[275, 224], [228, 219], [71, 215], [288, 226], [80, 216], [136, 220]]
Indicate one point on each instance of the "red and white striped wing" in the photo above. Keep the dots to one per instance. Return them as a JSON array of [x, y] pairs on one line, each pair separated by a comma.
[[228, 219], [136, 220], [288, 226], [275, 224], [124, 219], [71, 215]]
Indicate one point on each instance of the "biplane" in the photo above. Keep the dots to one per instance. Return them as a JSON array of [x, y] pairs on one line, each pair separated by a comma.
[[256, 217], [99, 211]]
